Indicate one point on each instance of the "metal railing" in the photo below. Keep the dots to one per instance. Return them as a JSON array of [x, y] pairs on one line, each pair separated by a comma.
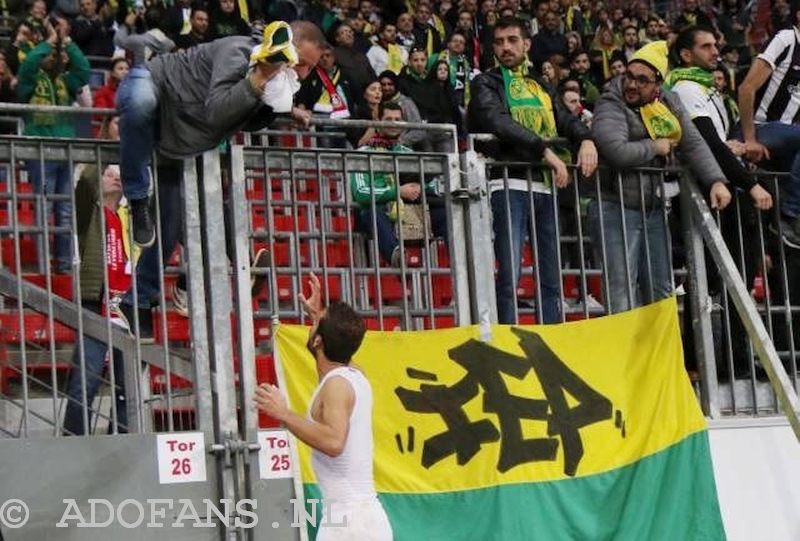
[[297, 203]]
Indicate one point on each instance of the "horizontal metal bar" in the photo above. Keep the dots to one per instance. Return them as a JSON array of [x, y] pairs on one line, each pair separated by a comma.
[[60, 109], [286, 160], [53, 149], [94, 325]]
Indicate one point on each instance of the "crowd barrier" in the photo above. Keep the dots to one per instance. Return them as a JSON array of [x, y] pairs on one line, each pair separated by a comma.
[[281, 194]]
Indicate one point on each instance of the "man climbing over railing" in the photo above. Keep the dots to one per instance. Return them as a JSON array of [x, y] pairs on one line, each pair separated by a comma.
[[188, 102], [202, 96], [518, 108], [637, 124]]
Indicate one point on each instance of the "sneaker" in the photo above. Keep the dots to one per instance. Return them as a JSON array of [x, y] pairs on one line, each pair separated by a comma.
[[124, 312], [144, 230], [180, 300], [261, 262], [592, 305], [790, 234]]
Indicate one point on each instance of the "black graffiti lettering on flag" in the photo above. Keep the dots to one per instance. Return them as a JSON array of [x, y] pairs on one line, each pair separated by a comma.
[[485, 367]]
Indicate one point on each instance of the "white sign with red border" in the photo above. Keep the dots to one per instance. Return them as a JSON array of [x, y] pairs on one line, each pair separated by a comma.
[[275, 457], [181, 458]]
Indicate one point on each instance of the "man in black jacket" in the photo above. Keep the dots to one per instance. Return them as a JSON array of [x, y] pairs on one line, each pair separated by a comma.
[[435, 101], [521, 119], [328, 91]]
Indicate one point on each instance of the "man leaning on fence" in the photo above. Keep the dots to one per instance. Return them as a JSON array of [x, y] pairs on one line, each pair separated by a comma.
[[638, 124], [521, 111]]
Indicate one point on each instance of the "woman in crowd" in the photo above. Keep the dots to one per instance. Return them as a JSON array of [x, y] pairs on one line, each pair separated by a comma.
[[106, 96], [368, 109], [226, 20]]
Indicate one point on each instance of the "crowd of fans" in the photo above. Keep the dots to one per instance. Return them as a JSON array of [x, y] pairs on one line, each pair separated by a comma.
[[524, 71], [577, 45], [432, 62]]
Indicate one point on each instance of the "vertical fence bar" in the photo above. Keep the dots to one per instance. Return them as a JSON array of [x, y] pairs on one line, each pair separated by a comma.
[[195, 283], [700, 305]]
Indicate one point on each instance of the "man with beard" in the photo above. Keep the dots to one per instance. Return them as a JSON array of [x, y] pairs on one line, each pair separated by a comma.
[[693, 81], [637, 124], [522, 112], [338, 426]]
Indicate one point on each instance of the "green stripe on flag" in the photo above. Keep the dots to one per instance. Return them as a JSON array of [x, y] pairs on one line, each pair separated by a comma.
[[670, 495]]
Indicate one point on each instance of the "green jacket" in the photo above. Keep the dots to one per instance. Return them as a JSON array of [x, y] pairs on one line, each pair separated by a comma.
[[38, 88], [383, 185]]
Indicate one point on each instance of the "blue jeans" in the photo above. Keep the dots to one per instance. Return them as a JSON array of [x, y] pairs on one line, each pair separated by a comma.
[[95, 362], [646, 285], [57, 180], [508, 251], [387, 238], [783, 142], [137, 101], [171, 213]]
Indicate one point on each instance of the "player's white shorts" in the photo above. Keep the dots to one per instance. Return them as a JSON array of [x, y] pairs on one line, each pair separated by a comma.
[[355, 521]]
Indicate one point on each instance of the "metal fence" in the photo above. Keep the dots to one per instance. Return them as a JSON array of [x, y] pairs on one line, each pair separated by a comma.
[[240, 231], [618, 240]]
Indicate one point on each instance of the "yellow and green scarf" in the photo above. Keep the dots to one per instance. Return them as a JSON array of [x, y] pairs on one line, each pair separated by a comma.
[[695, 74], [531, 107], [660, 122], [529, 103]]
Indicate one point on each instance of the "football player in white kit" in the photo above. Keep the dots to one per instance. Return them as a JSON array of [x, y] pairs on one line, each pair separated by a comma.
[[338, 426]]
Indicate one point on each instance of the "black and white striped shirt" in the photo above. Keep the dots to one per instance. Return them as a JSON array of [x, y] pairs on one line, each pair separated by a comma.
[[779, 99]]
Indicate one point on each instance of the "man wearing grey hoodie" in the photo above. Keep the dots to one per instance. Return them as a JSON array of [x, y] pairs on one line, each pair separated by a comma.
[[638, 124], [197, 98], [184, 104]]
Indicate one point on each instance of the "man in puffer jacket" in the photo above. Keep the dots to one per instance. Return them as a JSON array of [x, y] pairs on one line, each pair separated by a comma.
[[638, 124]]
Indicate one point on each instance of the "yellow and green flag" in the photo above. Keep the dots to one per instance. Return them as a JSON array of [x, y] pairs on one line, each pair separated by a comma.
[[588, 430]]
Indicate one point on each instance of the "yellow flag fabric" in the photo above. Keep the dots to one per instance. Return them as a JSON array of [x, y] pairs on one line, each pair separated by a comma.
[[585, 398], [586, 430]]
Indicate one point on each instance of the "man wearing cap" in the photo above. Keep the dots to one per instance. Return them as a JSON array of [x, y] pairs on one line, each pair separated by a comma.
[[202, 96], [637, 124], [769, 103]]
